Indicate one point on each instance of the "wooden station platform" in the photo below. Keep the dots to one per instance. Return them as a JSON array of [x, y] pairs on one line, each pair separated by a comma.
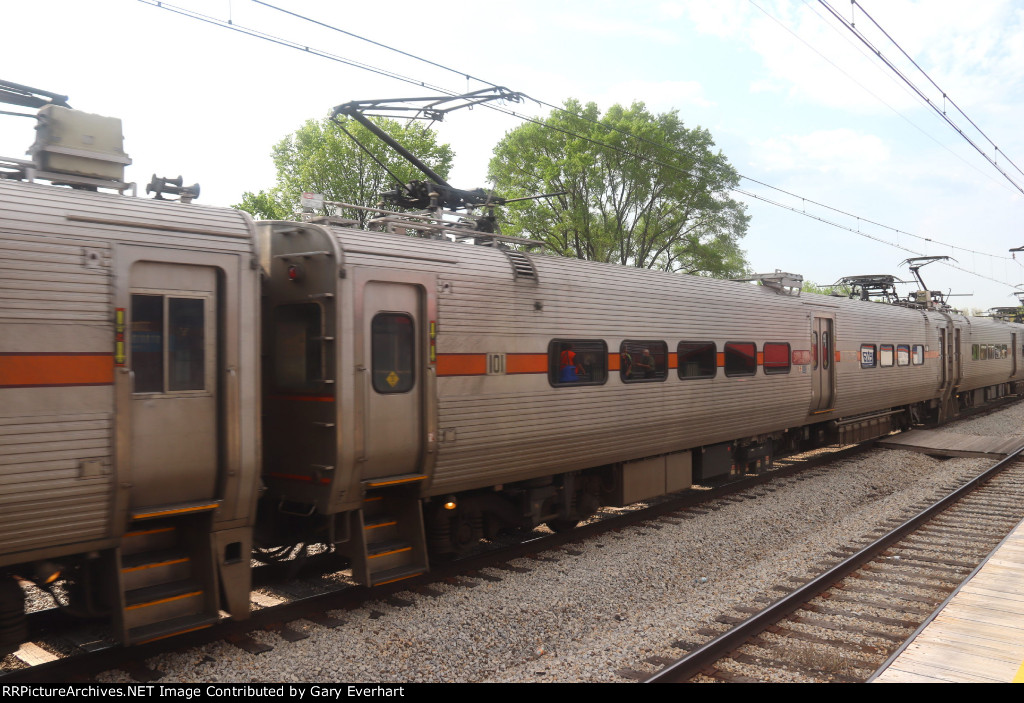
[[946, 443], [977, 636]]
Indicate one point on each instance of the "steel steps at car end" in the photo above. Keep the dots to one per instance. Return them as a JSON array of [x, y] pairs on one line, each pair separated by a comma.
[[166, 573], [171, 628], [391, 542]]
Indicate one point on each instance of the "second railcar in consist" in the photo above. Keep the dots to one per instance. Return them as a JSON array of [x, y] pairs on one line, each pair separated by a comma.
[[180, 385], [492, 388]]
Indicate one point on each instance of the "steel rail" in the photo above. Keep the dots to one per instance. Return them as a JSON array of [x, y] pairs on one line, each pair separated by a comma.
[[693, 663], [84, 665]]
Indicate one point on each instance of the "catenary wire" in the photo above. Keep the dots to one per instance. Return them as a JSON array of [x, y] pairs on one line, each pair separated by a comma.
[[941, 113], [811, 8], [863, 234], [390, 74], [640, 137], [945, 96]]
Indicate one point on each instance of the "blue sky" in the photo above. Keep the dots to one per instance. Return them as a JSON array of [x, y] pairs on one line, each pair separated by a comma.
[[826, 123]]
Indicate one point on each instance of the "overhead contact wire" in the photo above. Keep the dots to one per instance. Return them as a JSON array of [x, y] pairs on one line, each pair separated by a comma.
[[857, 33], [902, 87], [945, 96], [615, 129], [356, 64]]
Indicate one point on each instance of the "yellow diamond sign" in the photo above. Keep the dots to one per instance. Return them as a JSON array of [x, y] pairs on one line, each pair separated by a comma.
[[392, 379]]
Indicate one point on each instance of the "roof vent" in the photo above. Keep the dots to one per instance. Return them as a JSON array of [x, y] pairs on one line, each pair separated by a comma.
[[522, 267]]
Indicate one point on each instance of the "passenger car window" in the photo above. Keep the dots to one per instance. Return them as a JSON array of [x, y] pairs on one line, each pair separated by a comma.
[[643, 360], [697, 359], [867, 356], [903, 355], [885, 355], [776, 357], [186, 345], [740, 359], [147, 343], [918, 354], [393, 349], [577, 362], [168, 343]]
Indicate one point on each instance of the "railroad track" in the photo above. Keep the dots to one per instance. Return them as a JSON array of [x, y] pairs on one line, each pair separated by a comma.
[[279, 604], [842, 625], [63, 651]]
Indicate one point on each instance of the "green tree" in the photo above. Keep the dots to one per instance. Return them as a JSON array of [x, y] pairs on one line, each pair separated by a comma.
[[812, 287], [658, 201], [321, 158]]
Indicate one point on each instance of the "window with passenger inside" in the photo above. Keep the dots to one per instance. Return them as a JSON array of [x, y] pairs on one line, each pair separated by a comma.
[[643, 360], [576, 362]]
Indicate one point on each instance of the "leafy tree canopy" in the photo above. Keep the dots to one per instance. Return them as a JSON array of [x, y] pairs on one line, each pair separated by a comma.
[[659, 201], [812, 287], [320, 158]]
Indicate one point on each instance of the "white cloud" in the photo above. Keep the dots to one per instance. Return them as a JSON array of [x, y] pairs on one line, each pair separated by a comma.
[[721, 18], [975, 54], [824, 151], [610, 26], [659, 96], [767, 86]]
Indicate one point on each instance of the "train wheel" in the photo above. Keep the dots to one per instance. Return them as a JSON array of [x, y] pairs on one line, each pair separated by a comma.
[[453, 533], [466, 532], [561, 525]]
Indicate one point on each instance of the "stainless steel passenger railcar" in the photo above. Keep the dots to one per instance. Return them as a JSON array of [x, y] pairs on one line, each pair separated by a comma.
[[413, 396], [407, 375], [129, 406]]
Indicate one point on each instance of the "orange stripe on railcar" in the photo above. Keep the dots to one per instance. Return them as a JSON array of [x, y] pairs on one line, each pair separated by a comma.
[[43, 369], [461, 364], [523, 363], [526, 363]]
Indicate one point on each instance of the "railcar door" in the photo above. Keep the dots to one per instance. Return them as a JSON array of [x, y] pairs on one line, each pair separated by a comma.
[[172, 353], [389, 361], [951, 360], [958, 372], [945, 360], [823, 364], [950, 363]]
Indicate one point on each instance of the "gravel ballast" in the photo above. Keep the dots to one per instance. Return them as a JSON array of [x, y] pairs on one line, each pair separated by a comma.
[[613, 601]]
